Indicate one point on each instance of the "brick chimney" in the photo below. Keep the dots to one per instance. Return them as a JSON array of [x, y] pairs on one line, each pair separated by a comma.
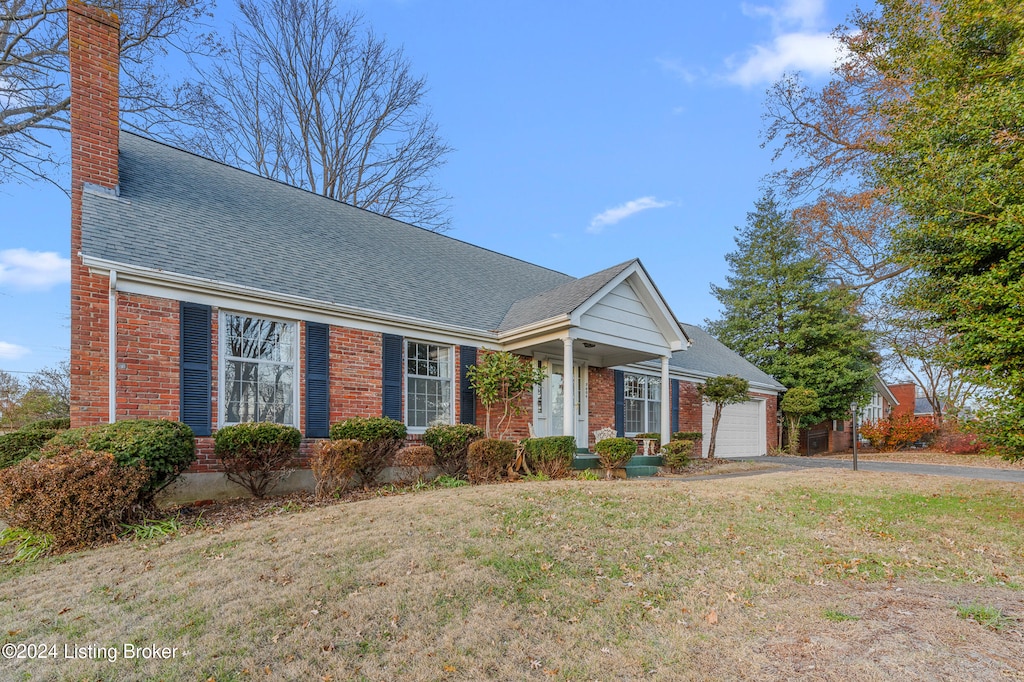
[[93, 50], [906, 395]]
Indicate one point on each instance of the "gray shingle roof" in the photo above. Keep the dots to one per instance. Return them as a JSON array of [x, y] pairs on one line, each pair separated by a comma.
[[189, 215], [707, 355], [561, 300]]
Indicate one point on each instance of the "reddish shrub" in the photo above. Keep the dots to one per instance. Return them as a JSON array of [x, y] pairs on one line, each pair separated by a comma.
[[489, 459], [334, 464], [77, 496], [896, 433], [955, 441], [415, 456]]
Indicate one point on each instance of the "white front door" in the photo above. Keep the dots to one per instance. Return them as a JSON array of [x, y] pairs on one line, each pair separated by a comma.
[[548, 404]]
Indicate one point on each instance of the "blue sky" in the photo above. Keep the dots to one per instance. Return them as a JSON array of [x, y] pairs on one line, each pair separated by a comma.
[[584, 134]]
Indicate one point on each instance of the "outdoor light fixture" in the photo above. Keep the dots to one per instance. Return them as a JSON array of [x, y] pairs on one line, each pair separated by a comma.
[[587, 344]]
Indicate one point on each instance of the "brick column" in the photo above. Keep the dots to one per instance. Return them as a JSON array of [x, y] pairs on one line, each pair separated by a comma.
[[94, 61]]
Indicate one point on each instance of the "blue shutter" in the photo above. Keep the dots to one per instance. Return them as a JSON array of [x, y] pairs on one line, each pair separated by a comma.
[[196, 405], [391, 361], [318, 362], [467, 410], [620, 403], [675, 405]]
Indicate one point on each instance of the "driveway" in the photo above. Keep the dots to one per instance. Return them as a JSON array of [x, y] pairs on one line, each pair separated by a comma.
[[902, 468]]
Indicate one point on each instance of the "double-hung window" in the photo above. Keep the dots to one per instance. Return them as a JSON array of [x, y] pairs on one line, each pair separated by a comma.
[[428, 384], [642, 404], [258, 357]]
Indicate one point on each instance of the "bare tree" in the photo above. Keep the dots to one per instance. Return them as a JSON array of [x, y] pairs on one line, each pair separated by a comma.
[[55, 382], [34, 98], [318, 101]]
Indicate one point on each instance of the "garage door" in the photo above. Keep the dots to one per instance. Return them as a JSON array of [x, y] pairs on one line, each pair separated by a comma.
[[741, 433]]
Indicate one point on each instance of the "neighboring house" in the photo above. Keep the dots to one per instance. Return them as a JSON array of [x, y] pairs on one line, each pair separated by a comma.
[[208, 294], [836, 435], [912, 402]]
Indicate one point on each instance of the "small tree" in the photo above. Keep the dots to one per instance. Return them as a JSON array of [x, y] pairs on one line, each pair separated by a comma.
[[722, 391], [503, 378], [797, 402]]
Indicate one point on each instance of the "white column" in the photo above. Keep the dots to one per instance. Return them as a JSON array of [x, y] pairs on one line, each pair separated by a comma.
[[568, 390], [666, 400]]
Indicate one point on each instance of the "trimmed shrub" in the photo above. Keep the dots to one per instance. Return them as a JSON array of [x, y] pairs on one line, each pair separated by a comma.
[[18, 445], [489, 459], [615, 452], [896, 433], [957, 442], [57, 424], [687, 435], [382, 438], [334, 464], [676, 454], [451, 445], [551, 456], [164, 447], [415, 456], [254, 454], [75, 496]]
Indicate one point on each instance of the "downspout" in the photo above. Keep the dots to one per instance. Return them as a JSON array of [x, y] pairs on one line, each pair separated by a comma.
[[112, 347]]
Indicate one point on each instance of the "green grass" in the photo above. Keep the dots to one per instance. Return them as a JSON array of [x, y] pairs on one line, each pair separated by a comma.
[[837, 616], [986, 616]]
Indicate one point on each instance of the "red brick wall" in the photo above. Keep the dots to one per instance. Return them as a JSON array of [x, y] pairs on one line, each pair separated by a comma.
[[357, 381], [601, 395], [148, 348], [691, 409], [905, 394], [93, 48]]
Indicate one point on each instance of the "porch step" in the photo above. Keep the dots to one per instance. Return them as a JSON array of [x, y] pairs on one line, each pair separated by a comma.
[[639, 465]]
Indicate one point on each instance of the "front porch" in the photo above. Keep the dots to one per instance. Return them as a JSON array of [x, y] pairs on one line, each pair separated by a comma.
[[639, 465]]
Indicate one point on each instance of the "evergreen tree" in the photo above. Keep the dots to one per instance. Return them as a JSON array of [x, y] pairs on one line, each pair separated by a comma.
[[784, 316]]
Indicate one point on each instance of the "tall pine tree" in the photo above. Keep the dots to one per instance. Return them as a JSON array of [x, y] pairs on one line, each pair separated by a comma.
[[783, 315]]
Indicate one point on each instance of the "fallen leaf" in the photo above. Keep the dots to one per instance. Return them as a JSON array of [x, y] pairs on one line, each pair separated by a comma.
[[712, 617], [449, 668]]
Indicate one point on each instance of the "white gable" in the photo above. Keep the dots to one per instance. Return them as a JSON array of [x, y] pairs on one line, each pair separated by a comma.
[[620, 314]]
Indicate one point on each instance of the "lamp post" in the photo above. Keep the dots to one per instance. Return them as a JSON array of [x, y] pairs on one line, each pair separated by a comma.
[[853, 410]]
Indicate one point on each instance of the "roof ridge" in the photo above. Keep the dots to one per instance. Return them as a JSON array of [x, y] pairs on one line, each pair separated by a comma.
[[338, 201]]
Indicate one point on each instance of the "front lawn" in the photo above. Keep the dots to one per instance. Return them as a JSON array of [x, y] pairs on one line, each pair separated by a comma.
[[833, 574]]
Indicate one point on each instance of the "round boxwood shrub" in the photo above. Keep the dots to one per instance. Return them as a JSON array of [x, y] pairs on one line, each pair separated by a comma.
[[334, 464], [551, 455], [166, 448], [489, 459], [451, 445], [76, 496], [256, 454], [615, 452], [382, 438], [676, 454]]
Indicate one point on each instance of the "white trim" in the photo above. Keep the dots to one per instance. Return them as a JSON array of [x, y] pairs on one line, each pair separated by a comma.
[[666, 402], [405, 383], [297, 374], [112, 348]]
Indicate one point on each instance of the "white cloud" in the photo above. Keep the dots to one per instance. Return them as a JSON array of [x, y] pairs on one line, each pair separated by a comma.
[[676, 68], [618, 213], [33, 270], [11, 351], [812, 53], [799, 43]]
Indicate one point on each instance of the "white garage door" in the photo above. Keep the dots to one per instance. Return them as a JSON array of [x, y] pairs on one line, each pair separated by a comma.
[[741, 433]]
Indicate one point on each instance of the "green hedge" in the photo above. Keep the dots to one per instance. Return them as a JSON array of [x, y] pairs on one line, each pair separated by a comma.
[[18, 445], [687, 435], [451, 445], [489, 459], [165, 448], [615, 452], [551, 455], [676, 454], [57, 424], [255, 454], [382, 438]]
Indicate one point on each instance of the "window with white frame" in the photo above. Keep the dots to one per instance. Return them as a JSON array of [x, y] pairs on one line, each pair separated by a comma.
[[428, 384], [642, 404], [258, 359]]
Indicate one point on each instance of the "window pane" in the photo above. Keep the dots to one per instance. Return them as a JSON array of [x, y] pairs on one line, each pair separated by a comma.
[[240, 391], [653, 417], [259, 383], [653, 388], [275, 394], [634, 415]]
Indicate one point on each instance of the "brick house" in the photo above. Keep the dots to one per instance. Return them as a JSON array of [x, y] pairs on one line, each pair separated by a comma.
[[210, 295], [836, 435]]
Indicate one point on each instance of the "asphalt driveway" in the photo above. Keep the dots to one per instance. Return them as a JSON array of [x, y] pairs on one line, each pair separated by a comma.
[[982, 473]]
